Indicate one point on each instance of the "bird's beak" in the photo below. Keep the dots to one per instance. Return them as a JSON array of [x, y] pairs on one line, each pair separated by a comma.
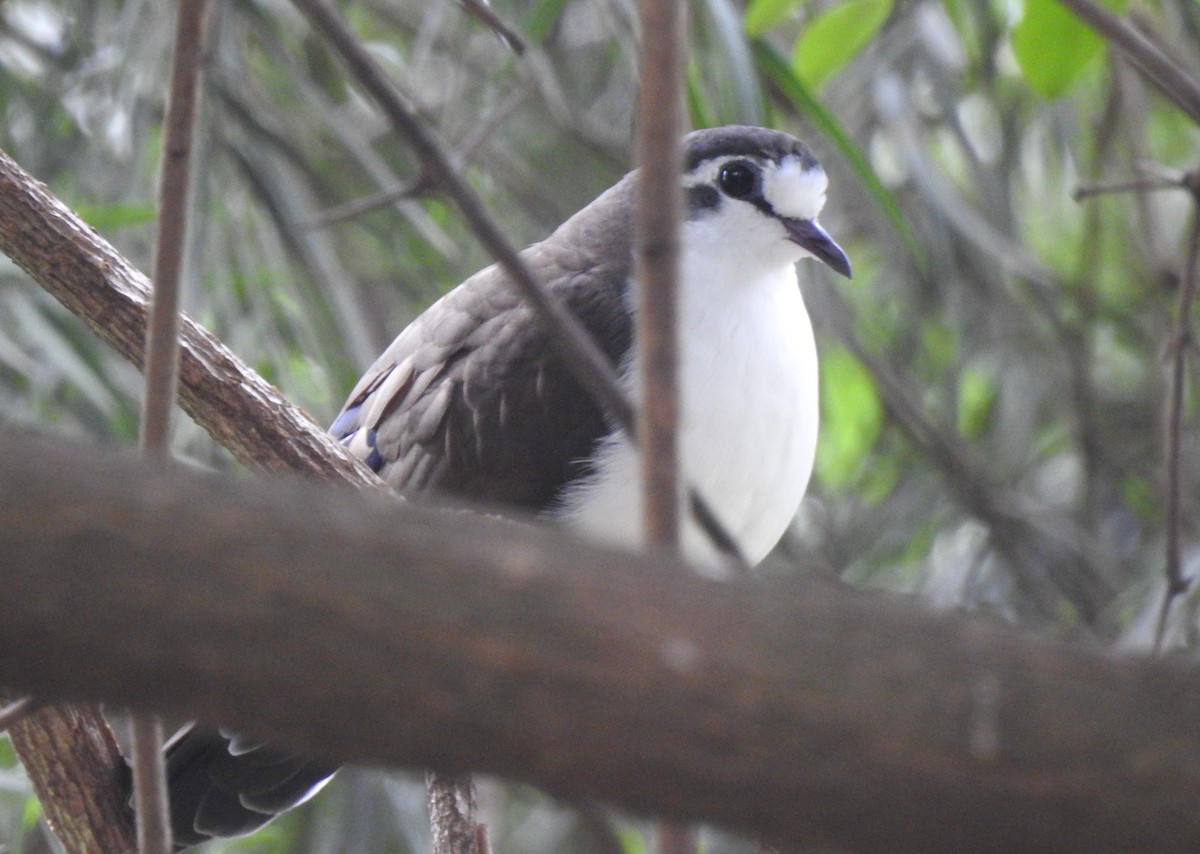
[[808, 234]]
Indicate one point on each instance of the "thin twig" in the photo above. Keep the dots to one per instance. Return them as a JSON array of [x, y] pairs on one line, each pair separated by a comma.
[[656, 264], [1137, 185], [16, 710], [1181, 342], [420, 185], [1150, 59], [151, 813], [162, 327], [574, 345], [366, 204], [483, 12], [590, 366], [162, 371]]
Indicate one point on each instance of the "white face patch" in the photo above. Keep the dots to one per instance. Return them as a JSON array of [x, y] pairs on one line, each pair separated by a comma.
[[791, 190], [794, 192]]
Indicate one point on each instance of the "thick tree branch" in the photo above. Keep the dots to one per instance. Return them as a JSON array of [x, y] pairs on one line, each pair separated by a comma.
[[806, 715], [237, 407], [75, 765]]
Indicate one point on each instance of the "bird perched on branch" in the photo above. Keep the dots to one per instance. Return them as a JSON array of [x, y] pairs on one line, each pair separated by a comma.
[[472, 401]]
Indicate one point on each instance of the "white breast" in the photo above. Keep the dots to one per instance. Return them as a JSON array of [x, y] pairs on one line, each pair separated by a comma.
[[748, 431]]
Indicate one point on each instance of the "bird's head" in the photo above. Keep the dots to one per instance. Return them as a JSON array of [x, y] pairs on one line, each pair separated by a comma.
[[760, 188]]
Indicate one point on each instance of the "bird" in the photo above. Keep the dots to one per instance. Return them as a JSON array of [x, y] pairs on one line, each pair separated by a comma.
[[472, 401]]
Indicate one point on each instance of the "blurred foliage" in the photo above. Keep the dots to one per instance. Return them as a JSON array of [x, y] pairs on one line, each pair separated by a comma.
[[992, 376]]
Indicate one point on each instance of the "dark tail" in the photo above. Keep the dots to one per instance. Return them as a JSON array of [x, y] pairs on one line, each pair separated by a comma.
[[220, 784]]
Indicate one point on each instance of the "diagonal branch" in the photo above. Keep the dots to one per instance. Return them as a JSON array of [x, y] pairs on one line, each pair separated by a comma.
[[1149, 58], [590, 366], [238, 408], [76, 770]]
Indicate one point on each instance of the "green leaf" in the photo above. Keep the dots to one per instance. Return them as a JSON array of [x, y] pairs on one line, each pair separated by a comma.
[[851, 418], [976, 395], [30, 814], [731, 66], [632, 840], [110, 217], [697, 108], [1140, 497], [1053, 47], [541, 19], [835, 37], [762, 15]]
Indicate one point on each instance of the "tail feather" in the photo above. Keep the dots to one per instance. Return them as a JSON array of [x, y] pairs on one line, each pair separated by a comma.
[[222, 785]]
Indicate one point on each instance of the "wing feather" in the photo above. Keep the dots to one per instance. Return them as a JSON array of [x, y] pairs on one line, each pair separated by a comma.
[[471, 399]]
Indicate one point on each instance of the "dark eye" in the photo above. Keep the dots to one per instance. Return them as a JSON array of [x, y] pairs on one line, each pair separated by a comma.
[[738, 179]]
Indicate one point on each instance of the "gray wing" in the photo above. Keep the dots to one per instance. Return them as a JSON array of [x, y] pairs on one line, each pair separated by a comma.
[[471, 400]]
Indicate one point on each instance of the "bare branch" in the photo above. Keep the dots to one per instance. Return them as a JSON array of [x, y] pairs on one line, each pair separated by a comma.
[[152, 814], [1051, 558], [656, 264], [162, 329], [576, 347], [779, 709], [1180, 87], [218, 390], [480, 10], [1138, 185], [656, 260], [75, 768], [1180, 346]]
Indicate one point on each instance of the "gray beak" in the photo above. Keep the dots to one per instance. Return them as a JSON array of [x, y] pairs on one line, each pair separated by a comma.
[[808, 234]]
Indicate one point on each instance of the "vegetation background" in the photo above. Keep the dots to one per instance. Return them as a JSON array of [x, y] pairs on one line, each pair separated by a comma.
[[995, 377]]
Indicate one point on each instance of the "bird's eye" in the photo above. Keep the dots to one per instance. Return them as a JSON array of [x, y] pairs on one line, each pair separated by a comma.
[[738, 179]]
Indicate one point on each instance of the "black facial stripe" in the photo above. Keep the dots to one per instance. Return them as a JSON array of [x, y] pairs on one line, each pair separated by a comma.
[[701, 198], [762, 204], [704, 198]]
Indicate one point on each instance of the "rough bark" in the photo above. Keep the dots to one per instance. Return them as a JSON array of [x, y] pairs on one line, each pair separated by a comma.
[[436, 639], [236, 406], [73, 761]]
